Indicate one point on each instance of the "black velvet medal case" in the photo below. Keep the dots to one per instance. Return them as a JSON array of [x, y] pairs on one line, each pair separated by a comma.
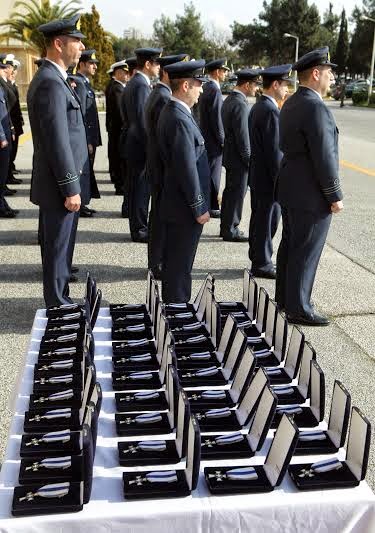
[[269, 475], [62, 310], [33, 444], [129, 424], [354, 466], [69, 503], [236, 419], [301, 392], [335, 434], [288, 372], [219, 449], [44, 420], [133, 454], [136, 485], [310, 416], [200, 399]]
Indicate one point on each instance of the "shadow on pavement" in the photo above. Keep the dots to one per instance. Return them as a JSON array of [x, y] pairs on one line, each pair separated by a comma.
[[17, 314]]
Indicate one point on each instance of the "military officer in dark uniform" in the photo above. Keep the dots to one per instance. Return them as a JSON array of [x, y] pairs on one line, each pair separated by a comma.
[[11, 101], [114, 122], [107, 118], [61, 169], [87, 67], [210, 107], [264, 168], [5, 147], [135, 97], [18, 122], [132, 63], [236, 155], [309, 188], [154, 168], [185, 201]]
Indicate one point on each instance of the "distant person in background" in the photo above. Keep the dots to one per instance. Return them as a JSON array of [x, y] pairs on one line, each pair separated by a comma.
[[87, 67], [211, 123], [342, 92], [18, 122]]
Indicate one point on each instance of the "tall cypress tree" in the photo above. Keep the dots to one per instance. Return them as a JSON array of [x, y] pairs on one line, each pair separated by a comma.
[[98, 39], [342, 48]]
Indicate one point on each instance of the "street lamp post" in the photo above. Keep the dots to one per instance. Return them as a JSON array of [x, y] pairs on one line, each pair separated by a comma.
[[364, 17], [296, 56]]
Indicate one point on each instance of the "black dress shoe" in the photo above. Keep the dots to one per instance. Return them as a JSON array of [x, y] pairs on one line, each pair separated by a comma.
[[13, 181], [16, 171], [215, 213], [74, 270], [73, 278], [140, 238], [85, 212], [267, 274], [7, 213], [9, 192], [311, 319], [236, 238]]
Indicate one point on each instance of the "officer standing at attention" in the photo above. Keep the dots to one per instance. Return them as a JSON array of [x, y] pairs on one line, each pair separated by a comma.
[[107, 116], [264, 168], [61, 170], [210, 105], [236, 156], [87, 67], [186, 181], [154, 167], [5, 147], [114, 122], [136, 94], [18, 122], [309, 186], [10, 98]]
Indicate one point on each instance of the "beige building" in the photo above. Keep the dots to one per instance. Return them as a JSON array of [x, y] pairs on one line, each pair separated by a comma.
[[24, 52]]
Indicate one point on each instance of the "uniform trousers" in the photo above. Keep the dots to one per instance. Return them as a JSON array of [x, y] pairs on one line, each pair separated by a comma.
[[181, 243], [58, 229], [215, 163], [4, 165], [139, 197], [14, 153], [114, 158], [236, 182], [302, 243], [125, 187], [264, 221], [93, 184], [156, 230]]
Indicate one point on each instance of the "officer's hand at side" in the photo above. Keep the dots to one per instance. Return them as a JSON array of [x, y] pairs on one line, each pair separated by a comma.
[[203, 218], [3, 144], [336, 207], [73, 203], [91, 149]]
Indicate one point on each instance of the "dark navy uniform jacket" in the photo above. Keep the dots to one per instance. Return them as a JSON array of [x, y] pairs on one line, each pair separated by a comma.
[[210, 106], [114, 119], [235, 114], [5, 124], [155, 103], [61, 160], [10, 99], [186, 183], [16, 113], [309, 172], [106, 93], [89, 110], [264, 141], [135, 97]]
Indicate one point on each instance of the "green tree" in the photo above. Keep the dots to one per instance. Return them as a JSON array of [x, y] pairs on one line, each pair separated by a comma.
[[98, 39], [342, 49], [329, 29], [362, 38], [263, 42], [184, 35], [29, 14]]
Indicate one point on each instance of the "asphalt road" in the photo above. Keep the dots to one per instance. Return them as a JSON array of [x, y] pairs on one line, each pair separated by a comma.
[[344, 287]]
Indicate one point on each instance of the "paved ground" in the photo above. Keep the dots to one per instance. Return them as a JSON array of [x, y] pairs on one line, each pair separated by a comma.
[[344, 287]]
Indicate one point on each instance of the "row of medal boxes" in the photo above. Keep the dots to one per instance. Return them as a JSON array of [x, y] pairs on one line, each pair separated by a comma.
[[67, 419], [169, 480]]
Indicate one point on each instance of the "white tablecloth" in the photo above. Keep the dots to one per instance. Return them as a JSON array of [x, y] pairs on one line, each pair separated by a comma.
[[284, 510]]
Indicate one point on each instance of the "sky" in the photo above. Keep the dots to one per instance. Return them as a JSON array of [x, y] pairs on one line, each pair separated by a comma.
[[116, 15]]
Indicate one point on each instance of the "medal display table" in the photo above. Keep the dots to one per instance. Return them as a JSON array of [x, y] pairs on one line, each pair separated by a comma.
[[284, 509]]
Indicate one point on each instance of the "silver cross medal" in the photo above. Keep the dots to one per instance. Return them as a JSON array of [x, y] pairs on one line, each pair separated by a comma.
[[218, 475], [306, 472]]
